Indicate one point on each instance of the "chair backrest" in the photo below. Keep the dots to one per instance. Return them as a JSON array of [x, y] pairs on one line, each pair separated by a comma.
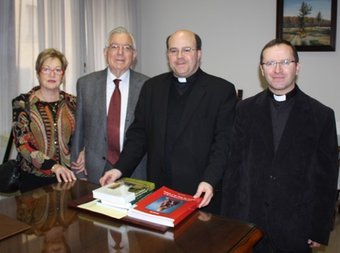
[[239, 94]]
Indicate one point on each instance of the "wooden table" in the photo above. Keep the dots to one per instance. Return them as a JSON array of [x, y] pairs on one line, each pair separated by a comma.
[[56, 225]]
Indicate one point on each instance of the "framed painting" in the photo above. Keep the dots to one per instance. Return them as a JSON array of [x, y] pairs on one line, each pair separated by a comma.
[[310, 25]]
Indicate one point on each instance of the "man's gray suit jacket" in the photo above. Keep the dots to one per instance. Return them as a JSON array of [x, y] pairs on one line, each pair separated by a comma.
[[91, 117]]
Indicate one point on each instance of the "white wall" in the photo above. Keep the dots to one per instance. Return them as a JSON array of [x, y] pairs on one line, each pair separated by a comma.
[[233, 34]]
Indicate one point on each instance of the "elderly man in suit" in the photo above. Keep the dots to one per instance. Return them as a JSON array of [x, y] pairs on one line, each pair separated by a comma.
[[183, 121], [91, 146], [283, 168]]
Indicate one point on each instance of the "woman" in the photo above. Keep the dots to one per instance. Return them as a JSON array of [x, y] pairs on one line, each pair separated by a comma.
[[43, 123]]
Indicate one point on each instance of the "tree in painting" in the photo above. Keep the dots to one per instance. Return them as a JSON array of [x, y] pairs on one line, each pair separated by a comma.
[[304, 11]]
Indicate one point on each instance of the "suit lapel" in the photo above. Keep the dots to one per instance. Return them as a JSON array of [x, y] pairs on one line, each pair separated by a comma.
[[99, 99], [263, 123], [132, 98], [160, 108], [163, 98]]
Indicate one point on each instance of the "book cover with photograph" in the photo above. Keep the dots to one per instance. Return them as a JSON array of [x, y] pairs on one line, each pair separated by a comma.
[[165, 207]]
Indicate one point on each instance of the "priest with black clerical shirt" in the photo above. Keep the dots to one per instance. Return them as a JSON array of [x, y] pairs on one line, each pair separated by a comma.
[[282, 172], [183, 121]]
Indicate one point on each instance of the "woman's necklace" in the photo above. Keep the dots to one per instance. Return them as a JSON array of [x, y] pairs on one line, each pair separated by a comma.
[[54, 106], [52, 100]]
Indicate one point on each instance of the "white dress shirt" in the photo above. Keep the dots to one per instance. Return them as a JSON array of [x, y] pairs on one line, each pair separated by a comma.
[[124, 91]]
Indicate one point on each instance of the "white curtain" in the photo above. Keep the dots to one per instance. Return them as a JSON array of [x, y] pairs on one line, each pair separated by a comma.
[[39, 24], [8, 72], [78, 28], [100, 18]]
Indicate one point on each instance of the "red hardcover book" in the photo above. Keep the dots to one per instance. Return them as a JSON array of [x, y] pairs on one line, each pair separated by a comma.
[[165, 207]]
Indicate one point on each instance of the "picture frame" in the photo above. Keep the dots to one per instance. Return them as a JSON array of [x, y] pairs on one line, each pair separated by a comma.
[[308, 25]]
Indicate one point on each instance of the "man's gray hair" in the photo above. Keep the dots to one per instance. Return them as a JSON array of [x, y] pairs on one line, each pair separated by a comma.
[[120, 29]]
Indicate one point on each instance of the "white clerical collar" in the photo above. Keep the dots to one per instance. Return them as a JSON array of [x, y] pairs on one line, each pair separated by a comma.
[[181, 79], [279, 98]]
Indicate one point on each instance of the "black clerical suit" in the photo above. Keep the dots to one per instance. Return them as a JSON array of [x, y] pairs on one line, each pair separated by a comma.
[[185, 133], [283, 169]]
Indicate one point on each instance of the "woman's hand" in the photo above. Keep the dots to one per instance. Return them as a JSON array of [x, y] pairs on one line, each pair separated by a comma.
[[63, 174]]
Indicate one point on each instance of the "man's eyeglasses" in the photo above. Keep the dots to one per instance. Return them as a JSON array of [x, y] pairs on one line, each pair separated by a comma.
[[117, 47], [184, 50], [272, 64], [46, 71]]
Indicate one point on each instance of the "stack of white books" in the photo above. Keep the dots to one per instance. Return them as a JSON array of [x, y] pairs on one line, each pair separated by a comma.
[[115, 199], [122, 194]]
